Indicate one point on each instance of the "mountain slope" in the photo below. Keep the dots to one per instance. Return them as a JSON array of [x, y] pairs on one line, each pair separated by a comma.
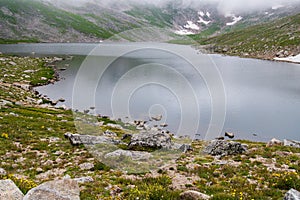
[[58, 21], [35, 20], [277, 38]]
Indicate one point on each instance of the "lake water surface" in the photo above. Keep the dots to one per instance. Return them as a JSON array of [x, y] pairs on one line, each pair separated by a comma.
[[197, 94]]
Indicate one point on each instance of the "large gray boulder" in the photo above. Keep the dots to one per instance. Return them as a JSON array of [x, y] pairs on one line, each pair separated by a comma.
[[224, 148], [193, 195], [150, 139], [292, 194], [9, 191], [77, 139], [65, 189]]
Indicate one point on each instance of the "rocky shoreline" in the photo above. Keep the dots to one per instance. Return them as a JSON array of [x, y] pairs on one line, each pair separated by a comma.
[[44, 157]]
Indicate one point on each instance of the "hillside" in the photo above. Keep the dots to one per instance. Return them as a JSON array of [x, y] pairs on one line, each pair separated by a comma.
[[279, 38], [57, 21]]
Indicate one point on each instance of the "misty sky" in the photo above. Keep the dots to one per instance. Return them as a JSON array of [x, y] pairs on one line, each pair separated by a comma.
[[224, 6]]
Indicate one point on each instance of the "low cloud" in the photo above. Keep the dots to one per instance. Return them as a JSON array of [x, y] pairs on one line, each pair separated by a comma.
[[224, 6]]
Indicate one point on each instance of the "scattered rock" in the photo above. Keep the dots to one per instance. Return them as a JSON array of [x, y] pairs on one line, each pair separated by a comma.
[[44, 79], [126, 136], [86, 179], [274, 142], [183, 147], [66, 189], [163, 125], [220, 138], [5, 102], [23, 86], [9, 191], [77, 139], [157, 118], [134, 155], [150, 139], [86, 166], [291, 143], [109, 133], [12, 63], [193, 195], [224, 148], [29, 71], [40, 101], [230, 135], [2, 172], [117, 126], [292, 194], [51, 173]]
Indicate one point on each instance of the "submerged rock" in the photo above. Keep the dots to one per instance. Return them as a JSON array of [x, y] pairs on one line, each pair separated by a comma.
[[66, 189], [151, 140], [224, 148], [292, 194], [8, 190]]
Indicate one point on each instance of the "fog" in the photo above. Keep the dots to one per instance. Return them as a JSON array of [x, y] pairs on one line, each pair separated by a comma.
[[224, 6]]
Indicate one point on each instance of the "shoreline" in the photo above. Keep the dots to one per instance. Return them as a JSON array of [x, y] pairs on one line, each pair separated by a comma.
[[34, 150]]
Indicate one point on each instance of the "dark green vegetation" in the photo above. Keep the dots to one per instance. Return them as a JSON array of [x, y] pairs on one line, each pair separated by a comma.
[[33, 150], [263, 40]]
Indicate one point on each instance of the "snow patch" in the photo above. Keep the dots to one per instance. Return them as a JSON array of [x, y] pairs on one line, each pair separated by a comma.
[[201, 20], [277, 7], [295, 59], [207, 14], [184, 32], [234, 18], [201, 13], [191, 25]]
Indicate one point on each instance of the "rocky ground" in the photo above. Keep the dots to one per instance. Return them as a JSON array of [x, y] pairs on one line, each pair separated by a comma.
[[42, 153]]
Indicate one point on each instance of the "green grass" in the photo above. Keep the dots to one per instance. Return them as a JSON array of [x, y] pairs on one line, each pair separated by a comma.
[[31, 136]]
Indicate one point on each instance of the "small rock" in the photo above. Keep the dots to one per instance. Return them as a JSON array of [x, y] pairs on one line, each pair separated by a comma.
[[193, 195], [39, 170], [86, 166], [224, 148], [157, 118], [44, 79], [109, 133], [65, 189], [29, 71], [12, 63], [291, 143], [163, 125], [58, 153], [274, 142], [39, 102], [230, 135], [117, 126], [8, 190], [2, 172], [292, 194], [86, 179], [134, 155]]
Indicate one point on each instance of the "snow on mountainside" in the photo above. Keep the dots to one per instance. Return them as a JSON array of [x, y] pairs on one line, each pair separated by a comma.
[[59, 21]]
